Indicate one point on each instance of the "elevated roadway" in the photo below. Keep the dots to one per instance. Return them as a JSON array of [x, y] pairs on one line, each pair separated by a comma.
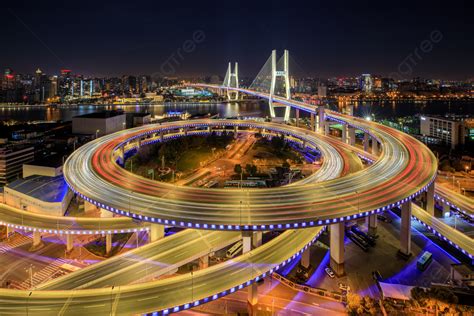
[[458, 201], [30, 221], [451, 235], [154, 259], [405, 168], [166, 295]]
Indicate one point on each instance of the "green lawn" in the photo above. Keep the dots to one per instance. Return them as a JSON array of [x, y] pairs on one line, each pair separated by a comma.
[[191, 159]]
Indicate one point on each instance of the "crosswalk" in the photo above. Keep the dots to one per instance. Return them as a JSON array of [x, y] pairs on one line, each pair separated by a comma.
[[16, 241], [49, 272]]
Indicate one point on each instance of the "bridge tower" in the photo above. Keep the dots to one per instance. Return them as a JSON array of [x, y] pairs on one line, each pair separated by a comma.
[[231, 80], [285, 74]]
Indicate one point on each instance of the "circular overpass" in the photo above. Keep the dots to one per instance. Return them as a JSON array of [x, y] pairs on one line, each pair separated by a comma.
[[404, 169]]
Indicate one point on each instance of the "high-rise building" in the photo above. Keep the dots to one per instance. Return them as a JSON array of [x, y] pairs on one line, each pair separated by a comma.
[[322, 91], [53, 86], [12, 158], [366, 83], [41, 87]]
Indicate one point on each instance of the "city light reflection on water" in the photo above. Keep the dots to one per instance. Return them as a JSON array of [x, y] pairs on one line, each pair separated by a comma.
[[381, 109]]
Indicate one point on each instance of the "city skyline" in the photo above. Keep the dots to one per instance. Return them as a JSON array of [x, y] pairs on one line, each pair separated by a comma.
[[412, 40], [237, 158]]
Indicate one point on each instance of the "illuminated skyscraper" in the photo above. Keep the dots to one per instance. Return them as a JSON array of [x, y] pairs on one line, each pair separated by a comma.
[[366, 83]]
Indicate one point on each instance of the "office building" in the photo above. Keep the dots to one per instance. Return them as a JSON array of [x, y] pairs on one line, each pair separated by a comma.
[[12, 159], [450, 132]]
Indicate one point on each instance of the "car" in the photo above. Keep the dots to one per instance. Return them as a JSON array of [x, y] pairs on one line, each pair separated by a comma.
[[384, 219], [330, 273]]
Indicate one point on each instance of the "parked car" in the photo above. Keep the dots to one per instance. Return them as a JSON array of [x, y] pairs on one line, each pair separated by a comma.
[[384, 219], [330, 272]]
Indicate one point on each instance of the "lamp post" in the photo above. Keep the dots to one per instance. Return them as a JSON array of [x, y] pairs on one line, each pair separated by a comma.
[[30, 271], [192, 286]]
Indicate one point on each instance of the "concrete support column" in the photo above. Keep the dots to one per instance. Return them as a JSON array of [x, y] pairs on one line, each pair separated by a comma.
[[336, 245], [375, 147], [312, 126], [366, 142], [326, 128], [297, 119], [305, 258], [344, 133], [89, 207], [446, 208], [185, 131], [322, 119], [122, 155], [108, 243], [246, 242], [405, 229], [428, 199], [351, 135], [69, 242], [36, 239], [372, 224], [251, 240], [257, 239], [106, 214], [10, 231], [157, 232], [161, 136], [236, 130], [204, 262]]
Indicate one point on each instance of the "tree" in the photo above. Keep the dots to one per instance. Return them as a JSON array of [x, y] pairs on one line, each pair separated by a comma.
[[354, 303], [238, 169], [248, 169]]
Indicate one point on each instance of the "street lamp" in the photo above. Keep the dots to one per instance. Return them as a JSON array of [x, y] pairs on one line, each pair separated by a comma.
[[30, 270], [97, 133]]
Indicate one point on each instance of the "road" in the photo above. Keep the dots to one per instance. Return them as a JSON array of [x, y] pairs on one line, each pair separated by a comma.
[[66, 225], [200, 286], [405, 167], [154, 259]]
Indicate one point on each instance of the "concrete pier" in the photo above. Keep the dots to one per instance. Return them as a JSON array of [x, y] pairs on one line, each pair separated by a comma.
[[336, 246], [405, 229]]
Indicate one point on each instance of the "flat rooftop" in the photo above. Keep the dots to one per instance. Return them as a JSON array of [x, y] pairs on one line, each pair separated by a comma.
[[138, 114], [101, 115], [53, 161], [47, 189]]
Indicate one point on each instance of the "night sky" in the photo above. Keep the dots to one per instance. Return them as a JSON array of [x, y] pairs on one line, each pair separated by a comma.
[[325, 38]]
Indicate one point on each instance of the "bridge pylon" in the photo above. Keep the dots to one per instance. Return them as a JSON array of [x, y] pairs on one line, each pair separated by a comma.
[[231, 80], [285, 74]]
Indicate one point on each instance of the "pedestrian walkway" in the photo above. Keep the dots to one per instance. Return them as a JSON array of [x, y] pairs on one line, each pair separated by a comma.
[[17, 240], [44, 274]]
